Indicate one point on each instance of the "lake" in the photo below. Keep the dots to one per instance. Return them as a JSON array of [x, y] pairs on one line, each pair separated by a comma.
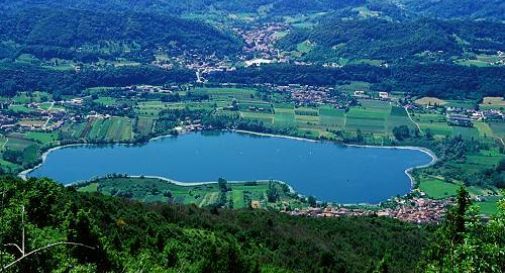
[[328, 171]]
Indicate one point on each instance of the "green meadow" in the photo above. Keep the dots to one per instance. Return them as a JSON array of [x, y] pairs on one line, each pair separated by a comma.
[[237, 195]]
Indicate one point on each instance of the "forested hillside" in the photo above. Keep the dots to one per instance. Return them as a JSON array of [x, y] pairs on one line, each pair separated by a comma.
[[389, 41], [129, 236], [474, 9], [190, 6], [126, 236], [17, 77], [441, 80], [90, 35]]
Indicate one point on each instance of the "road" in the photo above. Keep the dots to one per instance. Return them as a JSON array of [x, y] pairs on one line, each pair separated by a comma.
[[49, 118], [410, 117], [5, 144]]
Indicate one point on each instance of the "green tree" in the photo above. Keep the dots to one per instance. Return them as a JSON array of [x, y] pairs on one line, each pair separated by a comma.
[[401, 132]]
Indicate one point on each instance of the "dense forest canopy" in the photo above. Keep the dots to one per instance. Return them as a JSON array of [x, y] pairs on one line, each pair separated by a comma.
[[441, 80], [190, 6], [68, 33], [385, 40], [130, 236], [32, 78], [474, 9]]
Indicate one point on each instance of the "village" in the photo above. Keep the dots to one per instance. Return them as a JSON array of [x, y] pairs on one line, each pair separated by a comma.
[[419, 210]]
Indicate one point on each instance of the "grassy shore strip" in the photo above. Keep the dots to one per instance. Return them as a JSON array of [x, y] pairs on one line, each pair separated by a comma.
[[191, 184], [273, 135], [159, 189]]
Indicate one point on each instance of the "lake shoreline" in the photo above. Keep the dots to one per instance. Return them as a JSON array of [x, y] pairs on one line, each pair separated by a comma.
[[188, 184], [24, 174], [408, 172]]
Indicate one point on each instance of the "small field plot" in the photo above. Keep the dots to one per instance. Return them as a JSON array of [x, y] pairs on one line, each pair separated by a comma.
[[97, 129], [466, 132], [354, 86], [18, 142], [21, 108], [150, 108], [436, 123], [399, 117], [480, 60], [476, 162], [489, 206], [106, 101], [498, 128], [370, 117], [284, 117], [74, 130], [264, 117], [307, 116], [465, 104], [492, 103], [438, 188], [255, 106], [430, 101], [120, 129], [42, 137], [331, 117], [228, 93], [3, 141], [144, 125], [483, 128]]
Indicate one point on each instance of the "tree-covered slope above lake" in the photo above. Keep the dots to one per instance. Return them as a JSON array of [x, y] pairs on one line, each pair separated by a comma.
[[129, 236], [379, 39], [68, 33]]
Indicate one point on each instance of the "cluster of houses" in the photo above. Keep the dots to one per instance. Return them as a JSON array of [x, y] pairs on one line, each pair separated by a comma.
[[189, 125], [150, 89], [360, 94], [36, 120], [415, 210], [200, 63], [418, 210], [465, 117], [260, 40], [303, 95], [7, 122]]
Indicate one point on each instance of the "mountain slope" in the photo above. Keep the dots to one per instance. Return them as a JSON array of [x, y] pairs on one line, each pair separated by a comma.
[[77, 32], [132, 237], [335, 38], [470, 9]]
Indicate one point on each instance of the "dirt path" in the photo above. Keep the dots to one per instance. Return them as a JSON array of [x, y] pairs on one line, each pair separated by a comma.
[[5, 144], [411, 119]]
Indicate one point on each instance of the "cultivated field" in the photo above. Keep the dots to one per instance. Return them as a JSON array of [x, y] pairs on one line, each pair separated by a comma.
[[238, 195]]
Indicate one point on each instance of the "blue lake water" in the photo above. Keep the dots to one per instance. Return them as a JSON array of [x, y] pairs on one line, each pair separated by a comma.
[[325, 170]]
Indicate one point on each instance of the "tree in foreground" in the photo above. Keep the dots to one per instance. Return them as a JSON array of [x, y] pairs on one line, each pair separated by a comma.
[[466, 243]]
